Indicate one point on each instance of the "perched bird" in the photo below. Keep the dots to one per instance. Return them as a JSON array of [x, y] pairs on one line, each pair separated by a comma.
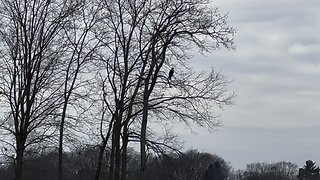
[[171, 73]]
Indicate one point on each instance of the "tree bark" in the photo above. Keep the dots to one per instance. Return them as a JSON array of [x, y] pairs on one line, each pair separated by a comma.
[[102, 148], [124, 152], [112, 155], [115, 158], [60, 151], [117, 150], [19, 159], [143, 133]]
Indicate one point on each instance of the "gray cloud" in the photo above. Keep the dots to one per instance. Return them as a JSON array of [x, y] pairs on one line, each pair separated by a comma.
[[276, 71]]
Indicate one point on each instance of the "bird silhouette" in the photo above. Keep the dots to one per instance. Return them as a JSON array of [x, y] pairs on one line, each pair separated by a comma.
[[171, 72]]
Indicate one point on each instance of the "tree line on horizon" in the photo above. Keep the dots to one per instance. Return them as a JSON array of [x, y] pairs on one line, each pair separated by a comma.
[[80, 163], [279, 171]]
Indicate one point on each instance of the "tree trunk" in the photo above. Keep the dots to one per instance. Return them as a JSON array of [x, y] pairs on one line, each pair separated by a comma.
[[117, 150], [102, 148], [60, 151], [143, 150], [112, 157], [143, 155], [115, 158], [19, 159], [124, 152]]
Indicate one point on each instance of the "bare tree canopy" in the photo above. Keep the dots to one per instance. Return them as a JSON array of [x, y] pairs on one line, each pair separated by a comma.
[[31, 67], [113, 56], [143, 40]]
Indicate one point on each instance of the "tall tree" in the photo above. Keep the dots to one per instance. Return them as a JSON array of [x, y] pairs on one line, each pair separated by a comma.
[[143, 39], [30, 64], [80, 45]]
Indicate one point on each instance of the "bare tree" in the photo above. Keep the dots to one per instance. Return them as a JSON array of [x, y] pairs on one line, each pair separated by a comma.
[[279, 170], [31, 48], [143, 40], [80, 46]]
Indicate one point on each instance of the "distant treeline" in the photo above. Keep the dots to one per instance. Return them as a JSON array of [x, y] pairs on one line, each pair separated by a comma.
[[80, 164]]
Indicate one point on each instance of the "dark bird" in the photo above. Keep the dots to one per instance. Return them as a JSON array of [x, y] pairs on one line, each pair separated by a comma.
[[171, 73]]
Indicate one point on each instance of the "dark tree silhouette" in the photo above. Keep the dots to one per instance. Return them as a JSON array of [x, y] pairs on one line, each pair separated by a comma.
[[80, 163], [141, 40], [265, 171], [214, 172], [309, 172], [30, 75]]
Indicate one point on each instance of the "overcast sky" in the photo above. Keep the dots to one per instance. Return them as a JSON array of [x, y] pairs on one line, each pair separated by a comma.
[[276, 73]]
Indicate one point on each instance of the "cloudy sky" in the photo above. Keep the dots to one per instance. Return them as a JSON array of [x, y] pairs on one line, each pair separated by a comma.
[[276, 74]]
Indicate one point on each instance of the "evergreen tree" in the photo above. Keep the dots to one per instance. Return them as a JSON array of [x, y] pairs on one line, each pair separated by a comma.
[[309, 172]]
